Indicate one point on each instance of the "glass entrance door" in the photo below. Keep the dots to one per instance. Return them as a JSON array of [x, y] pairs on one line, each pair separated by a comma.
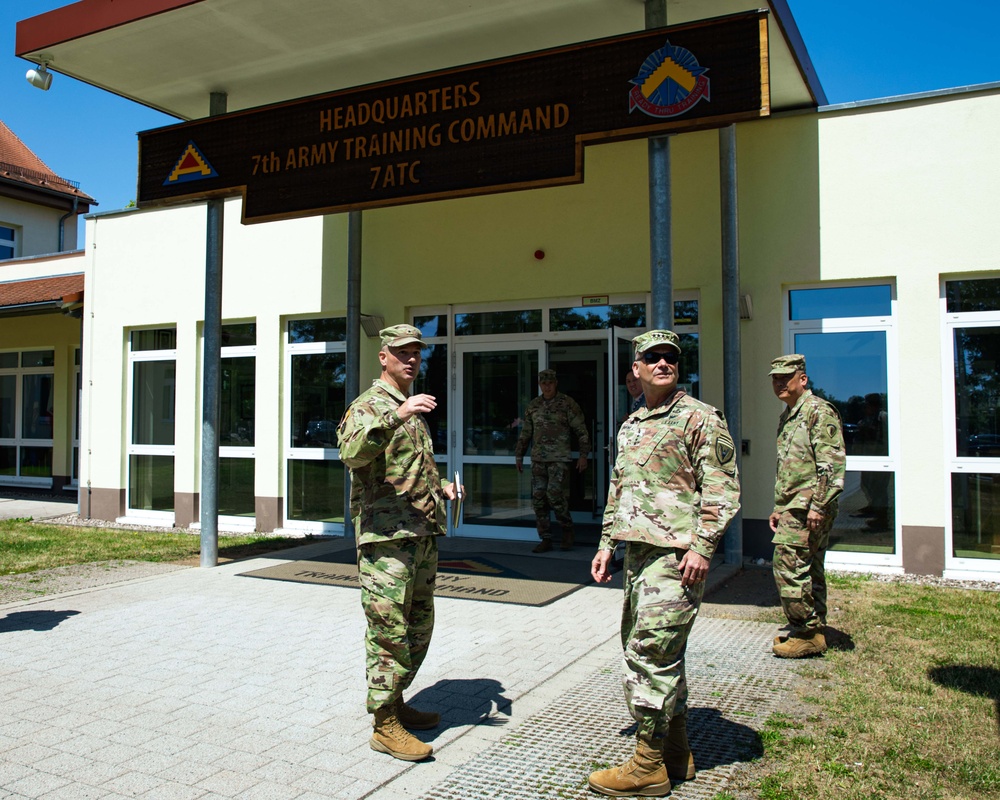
[[495, 385]]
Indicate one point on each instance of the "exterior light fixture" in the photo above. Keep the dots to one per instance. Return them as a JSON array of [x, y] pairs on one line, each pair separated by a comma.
[[40, 77]]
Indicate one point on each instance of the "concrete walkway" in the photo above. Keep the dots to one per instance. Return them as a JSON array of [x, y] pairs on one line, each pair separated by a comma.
[[38, 507], [202, 683]]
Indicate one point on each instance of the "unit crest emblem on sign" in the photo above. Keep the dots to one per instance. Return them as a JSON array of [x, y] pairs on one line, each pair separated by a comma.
[[669, 83], [191, 166]]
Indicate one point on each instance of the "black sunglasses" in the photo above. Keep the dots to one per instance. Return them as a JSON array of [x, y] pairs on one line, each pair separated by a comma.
[[654, 358]]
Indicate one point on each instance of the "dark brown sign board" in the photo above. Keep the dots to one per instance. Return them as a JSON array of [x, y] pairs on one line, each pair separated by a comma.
[[514, 123]]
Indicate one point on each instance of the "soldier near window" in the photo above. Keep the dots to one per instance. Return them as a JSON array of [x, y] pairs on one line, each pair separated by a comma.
[[810, 478], [549, 422], [398, 504]]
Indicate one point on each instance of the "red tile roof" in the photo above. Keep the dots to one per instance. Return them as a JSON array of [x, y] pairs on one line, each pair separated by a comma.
[[20, 165], [41, 290]]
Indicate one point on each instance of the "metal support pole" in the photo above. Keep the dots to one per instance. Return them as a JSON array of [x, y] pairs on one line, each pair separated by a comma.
[[212, 371], [731, 355], [352, 380], [660, 236]]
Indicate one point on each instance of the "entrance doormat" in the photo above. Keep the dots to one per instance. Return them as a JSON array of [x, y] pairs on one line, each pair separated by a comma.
[[497, 578]]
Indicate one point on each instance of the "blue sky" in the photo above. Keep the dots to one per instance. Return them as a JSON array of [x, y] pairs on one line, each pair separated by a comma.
[[861, 50]]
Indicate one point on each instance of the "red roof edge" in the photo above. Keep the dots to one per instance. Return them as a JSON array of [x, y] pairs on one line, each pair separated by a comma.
[[83, 18]]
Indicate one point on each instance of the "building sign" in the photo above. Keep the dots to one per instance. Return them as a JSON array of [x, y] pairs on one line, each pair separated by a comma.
[[515, 123]]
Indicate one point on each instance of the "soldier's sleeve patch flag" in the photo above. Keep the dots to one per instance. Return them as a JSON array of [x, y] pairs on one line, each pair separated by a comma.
[[191, 166]]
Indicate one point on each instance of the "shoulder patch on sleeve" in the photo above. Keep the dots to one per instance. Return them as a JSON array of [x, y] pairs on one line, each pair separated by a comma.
[[725, 451]]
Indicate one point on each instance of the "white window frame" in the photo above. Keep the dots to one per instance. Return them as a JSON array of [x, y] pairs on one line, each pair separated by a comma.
[[230, 521], [954, 566], [305, 453], [848, 559], [18, 441], [133, 515]]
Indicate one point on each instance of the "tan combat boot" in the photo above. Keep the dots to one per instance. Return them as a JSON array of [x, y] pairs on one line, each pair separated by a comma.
[[415, 720], [801, 645], [643, 775], [391, 737], [677, 755]]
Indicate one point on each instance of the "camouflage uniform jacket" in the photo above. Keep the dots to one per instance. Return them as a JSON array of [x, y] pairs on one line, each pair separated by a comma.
[[675, 482], [395, 489], [550, 423], [811, 456]]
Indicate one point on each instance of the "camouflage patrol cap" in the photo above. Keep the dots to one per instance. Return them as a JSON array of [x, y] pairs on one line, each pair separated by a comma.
[[546, 375], [649, 339], [783, 365], [398, 335]]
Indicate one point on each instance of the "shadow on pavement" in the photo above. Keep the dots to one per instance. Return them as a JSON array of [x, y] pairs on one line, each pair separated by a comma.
[[466, 701], [34, 620]]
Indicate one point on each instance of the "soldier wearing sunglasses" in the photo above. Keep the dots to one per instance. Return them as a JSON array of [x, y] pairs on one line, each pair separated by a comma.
[[673, 491]]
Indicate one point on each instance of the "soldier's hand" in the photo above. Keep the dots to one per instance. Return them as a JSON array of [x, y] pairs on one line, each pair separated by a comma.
[[772, 521], [814, 519], [450, 491], [581, 464], [519, 463], [417, 404], [599, 570], [693, 568]]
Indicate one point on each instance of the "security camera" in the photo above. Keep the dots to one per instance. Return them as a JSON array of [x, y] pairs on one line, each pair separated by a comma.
[[40, 78]]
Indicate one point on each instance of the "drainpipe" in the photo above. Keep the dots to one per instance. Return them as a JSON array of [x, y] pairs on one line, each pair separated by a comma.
[[62, 223]]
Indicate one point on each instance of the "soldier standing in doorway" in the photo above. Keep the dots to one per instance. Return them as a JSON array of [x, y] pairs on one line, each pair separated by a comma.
[[549, 420]]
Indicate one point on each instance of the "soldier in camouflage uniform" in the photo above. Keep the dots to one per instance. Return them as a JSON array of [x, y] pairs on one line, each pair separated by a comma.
[[673, 491], [548, 421], [398, 508], [810, 478]]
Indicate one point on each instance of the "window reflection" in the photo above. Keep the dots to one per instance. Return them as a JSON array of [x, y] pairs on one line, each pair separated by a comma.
[[498, 386], [836, 302], [851, 371], [433, 380], [975, 502], [497, 494], [977, 392], [866, 522], [432, 325], [981, 294], [315, 491], [587, 318], [317, 398], [498, 322]]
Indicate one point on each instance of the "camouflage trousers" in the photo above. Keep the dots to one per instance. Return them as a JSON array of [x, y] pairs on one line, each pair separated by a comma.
[[657, 617], [550, 490], [397, 593], [799, 569]]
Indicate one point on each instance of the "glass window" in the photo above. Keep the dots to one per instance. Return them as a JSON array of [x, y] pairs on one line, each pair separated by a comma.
[[432, 325], [8, 398], [8, 360], [497, 494], [153, 385], [690, 380], [237, 402], [851, 370], [433, 380], [685, 312], [315, 491], [981, 294], [497, 387], [36, 462], [498, 322], [866, 521], [8, 242], [236, 487], [240, 335], [975, 510], [977, 388], [328, 329], [36, 406], [8, 461], [160, 339], [585, 318], [151, 483], [837, 302], [38, 358], [317, 398]]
